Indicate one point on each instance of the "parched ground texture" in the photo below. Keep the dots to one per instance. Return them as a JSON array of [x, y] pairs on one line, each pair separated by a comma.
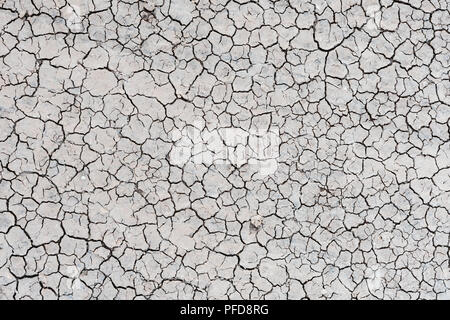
[[238, 149]]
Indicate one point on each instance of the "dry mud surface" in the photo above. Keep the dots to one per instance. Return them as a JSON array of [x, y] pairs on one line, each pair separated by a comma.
[[239, 149]]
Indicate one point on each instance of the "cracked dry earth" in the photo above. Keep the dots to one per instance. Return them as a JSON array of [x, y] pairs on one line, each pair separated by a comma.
[[107, 192]]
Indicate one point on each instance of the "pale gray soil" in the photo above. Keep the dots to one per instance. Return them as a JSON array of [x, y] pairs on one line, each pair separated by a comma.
[[224, 149]]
